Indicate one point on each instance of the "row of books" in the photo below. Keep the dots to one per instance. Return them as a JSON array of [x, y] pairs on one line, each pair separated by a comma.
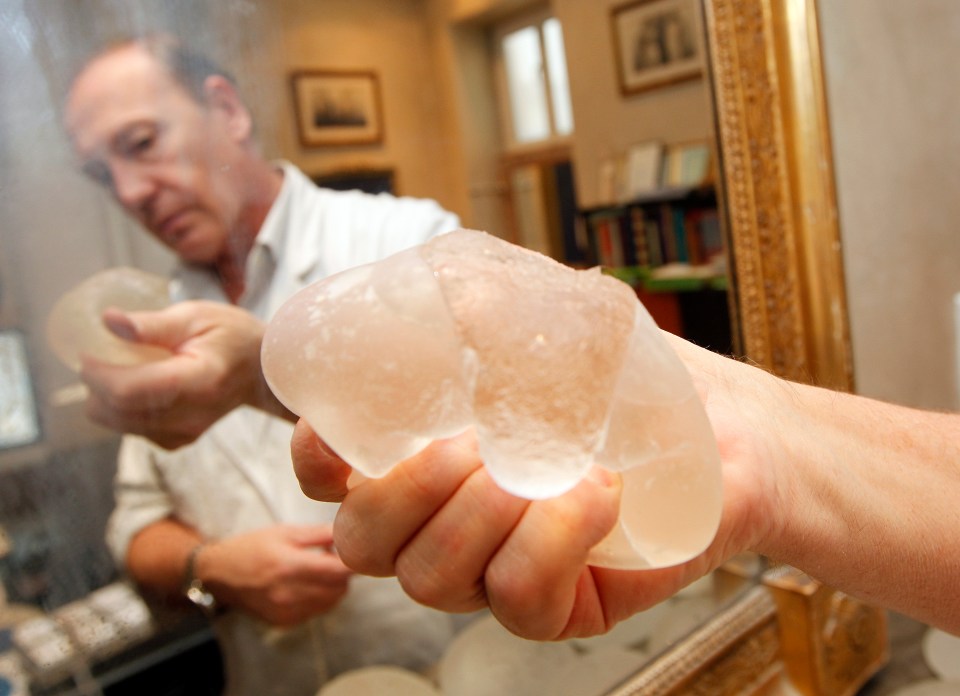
[[655, 235]]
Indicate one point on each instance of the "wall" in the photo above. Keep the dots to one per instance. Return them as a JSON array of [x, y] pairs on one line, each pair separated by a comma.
[[893, 110]]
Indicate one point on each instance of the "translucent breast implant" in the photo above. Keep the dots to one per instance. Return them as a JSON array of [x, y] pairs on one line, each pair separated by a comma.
[[75, 325], [558, 370]]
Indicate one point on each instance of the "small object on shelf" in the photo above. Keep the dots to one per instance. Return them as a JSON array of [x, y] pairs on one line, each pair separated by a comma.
[[95, 636], [46, 651], [120, 604], [644, 167], [687, 164]]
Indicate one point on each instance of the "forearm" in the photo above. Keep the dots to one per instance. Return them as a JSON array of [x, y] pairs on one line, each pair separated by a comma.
[[869, 497], [157, 557]]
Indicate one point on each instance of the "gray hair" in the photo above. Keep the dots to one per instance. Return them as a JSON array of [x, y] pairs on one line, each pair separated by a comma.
[[190, 68]]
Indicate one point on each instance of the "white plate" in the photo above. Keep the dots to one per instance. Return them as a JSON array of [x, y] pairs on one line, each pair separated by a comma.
[[942, 653], [377, 680], [485, 659]]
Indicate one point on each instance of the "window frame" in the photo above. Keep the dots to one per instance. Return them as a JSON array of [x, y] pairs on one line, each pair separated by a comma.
[[512, 146]]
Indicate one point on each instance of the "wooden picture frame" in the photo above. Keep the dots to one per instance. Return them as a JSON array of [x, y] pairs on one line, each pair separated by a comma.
[[337, 107], [366, 180], [657, 43]]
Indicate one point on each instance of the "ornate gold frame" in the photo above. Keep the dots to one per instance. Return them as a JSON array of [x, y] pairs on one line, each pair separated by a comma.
[[787, 628], [781, 208]]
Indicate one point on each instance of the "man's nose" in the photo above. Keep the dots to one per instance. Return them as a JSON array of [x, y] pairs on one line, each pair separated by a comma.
[[132, 185]]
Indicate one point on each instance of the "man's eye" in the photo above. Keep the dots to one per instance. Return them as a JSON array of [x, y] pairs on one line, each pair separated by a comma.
[[137, 142], [140, 145]]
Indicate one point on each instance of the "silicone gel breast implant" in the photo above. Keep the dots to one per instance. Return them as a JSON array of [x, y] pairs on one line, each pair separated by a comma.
[[558, 371], [75, 326]]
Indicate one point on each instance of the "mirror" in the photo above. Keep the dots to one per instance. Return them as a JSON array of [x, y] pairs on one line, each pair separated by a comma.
[[771, 131]]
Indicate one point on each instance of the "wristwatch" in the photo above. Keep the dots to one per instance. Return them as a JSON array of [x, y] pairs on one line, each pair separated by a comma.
[[193, 586]]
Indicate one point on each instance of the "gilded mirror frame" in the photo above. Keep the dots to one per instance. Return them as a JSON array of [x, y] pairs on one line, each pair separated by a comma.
[[779, 193]]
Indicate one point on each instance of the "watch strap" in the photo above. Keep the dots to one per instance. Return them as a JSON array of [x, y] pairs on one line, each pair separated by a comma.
[[193, 587]]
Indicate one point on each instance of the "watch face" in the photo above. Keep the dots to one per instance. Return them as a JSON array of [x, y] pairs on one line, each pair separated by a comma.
[[18, 411], [201, 597]]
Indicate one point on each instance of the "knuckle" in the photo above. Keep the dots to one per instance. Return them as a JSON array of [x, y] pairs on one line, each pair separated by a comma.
[[354, 550]]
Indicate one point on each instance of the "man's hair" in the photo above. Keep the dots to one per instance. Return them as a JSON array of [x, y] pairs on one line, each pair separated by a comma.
[[188, 67]]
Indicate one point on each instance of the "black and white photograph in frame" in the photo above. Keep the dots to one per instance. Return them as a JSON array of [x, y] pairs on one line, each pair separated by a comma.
[[337, 107], [657, 43]]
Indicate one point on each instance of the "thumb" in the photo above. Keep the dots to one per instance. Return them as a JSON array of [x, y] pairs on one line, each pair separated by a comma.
[[167, 327]]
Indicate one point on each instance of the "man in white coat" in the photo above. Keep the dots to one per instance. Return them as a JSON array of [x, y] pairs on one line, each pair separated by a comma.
[[215, 513]]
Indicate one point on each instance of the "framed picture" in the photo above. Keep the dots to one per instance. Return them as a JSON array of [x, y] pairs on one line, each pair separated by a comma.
[[19, 424], [657, 42], [337, 107], [366, 180]]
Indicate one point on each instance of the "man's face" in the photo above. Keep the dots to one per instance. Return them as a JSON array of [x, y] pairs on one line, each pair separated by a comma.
[[165, 158]]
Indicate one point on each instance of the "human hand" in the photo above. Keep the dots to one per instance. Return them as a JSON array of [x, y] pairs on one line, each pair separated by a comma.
[[283, 575], [457, 542], [215, 367]]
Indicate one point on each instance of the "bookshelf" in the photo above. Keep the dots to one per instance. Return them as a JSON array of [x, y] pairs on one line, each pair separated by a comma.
[[668, 226], [668, 244]]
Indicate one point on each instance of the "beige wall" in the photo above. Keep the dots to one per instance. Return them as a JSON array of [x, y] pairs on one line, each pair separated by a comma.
[[893, 108]]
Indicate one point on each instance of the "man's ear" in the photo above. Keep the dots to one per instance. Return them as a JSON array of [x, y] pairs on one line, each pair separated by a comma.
[[223, 98]]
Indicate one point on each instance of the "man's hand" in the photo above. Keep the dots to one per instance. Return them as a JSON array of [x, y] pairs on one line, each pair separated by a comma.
[[283, 574], [215, 367], [457, 542]]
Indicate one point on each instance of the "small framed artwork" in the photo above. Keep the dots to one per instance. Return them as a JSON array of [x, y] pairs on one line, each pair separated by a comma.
[[657, 42], [337, 107], [644, 168], [19, 424]]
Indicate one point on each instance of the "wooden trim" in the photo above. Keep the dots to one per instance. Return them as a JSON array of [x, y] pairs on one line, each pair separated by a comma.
[[831, 643]]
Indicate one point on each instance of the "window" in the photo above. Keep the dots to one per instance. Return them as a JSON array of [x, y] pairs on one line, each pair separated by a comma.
[[535, 93]]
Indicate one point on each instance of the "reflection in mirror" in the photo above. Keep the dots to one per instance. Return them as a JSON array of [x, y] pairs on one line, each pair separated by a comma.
[[625, 175]]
